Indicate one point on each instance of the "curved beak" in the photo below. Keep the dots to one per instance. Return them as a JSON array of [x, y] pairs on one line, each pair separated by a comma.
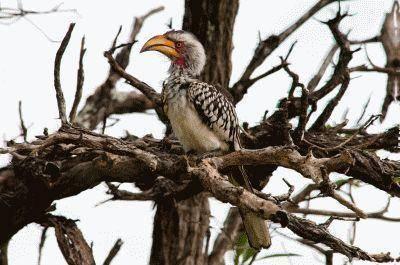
[[161, 44]]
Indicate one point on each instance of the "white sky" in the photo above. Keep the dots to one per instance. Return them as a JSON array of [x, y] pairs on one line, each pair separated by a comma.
[[26, 70]]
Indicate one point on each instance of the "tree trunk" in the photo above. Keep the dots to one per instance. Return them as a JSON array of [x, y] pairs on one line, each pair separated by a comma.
[[212, 22], [186, 223], [179, 231]]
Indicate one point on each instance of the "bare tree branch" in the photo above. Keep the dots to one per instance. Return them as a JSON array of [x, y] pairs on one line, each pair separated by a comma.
[[113, 251], [318, 234], [100, 103], [41, 244], [267, 46], [79, 83], [57, 83], [70, 240]]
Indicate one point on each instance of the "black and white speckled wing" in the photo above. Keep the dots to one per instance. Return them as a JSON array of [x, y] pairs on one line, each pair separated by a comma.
[[216, 111]]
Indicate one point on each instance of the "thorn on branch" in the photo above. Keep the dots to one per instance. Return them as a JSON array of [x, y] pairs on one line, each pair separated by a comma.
[[24, 130]]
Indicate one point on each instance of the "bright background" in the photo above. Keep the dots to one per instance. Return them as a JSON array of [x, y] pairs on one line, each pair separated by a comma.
[[26, 73]]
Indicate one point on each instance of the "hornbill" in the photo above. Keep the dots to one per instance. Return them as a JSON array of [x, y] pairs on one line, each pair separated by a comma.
[[201, 116]]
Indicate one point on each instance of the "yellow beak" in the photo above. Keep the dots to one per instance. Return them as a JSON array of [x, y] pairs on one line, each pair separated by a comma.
[[161, 44]]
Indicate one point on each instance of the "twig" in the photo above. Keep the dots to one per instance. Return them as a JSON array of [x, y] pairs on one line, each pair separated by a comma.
[[103, 101], [239, 89], [318, 234], [370, 40], [328, 222], [79, 83], [322, 69], [327, 188], [364, 110], [24, 130], [113, 252], [374, 215], [57, 83], [341, 71], [148, 91], [285, 197], [267, 46], [377, 69], [124, 195], [327, 112], [41, 244], [356, 133]]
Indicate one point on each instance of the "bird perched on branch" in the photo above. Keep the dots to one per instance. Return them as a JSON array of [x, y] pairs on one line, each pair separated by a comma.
[[202, 117]]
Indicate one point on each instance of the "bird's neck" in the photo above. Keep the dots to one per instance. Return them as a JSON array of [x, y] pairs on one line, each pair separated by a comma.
[[180, 74]]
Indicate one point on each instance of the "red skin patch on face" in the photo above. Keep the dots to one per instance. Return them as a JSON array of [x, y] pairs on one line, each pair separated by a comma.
[[180, 61], [179, 46]]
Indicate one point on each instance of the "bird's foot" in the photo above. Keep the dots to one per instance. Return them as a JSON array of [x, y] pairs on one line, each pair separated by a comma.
[[211, 154]]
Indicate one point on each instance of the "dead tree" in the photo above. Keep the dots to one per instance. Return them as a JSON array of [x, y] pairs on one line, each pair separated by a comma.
[[74, 158]]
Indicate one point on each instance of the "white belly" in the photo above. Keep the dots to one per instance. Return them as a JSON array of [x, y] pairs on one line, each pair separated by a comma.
[[189, 128]]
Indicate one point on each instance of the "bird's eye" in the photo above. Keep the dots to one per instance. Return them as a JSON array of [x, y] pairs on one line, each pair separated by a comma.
[[178, 44]]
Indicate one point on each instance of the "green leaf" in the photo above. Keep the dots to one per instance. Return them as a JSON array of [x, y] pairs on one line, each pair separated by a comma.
[[279, 256], [340, 182], [248, 254], [240, 247]]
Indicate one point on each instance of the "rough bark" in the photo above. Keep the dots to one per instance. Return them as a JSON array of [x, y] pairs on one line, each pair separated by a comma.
[[184, 223], [212, 22]]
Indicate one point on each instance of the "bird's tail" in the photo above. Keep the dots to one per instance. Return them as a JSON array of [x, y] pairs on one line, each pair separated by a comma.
[[255, 227]]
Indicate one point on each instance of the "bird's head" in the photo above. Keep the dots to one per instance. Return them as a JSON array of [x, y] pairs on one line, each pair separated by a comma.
[[183, 49]]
